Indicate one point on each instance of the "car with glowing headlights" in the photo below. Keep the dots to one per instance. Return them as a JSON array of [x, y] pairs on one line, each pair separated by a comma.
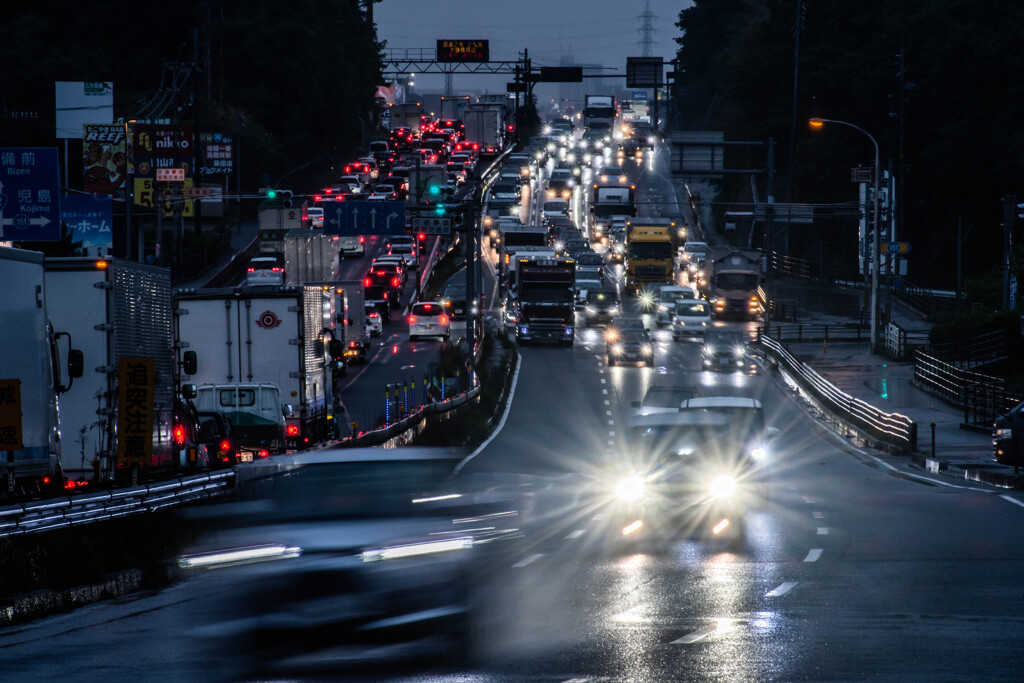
[[694, 471], [724, 350], [348, 546], [630, 346], [600, 306], [690, 318]]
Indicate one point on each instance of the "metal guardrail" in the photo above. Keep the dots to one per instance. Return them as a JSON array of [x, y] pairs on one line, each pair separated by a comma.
[[982, 397], [893, 429], [814, 332], [60, 513]]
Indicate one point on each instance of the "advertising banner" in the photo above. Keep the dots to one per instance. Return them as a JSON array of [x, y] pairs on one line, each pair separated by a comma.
[[135, 403], [162, 146], [104, 159], [216, 150]]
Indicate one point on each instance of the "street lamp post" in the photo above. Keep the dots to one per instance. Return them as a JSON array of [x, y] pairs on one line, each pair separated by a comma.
[[876, 248]]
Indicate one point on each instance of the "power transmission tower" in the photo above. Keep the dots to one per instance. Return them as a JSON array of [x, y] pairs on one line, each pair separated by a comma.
[[646, 30]]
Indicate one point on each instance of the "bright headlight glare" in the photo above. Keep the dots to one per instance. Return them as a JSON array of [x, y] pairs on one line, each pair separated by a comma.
[[630, 488], [616, 348], [723, 487], [417, 549], [758, 453]]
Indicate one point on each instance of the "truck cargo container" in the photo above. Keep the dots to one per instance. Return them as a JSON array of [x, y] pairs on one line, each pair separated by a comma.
[[31, 439], [543, 305], [117, 313], [263, 335], [650, 252]]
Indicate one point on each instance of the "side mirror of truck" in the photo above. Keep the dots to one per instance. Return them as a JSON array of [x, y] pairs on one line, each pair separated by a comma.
[[288, 409], [76, 363], [190, 363], [189, 391]]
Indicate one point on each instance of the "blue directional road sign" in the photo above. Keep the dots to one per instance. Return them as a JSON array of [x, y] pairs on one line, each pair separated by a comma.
[[29, 194], [364, 218]]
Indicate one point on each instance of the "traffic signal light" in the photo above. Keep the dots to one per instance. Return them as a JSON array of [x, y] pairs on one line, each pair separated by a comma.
[[286, 197], [440, 210]]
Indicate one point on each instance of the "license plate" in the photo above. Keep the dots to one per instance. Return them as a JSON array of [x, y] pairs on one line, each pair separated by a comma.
[[245, 456]]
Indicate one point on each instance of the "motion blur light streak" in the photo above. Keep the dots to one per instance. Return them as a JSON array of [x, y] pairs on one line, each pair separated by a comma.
[[238, 556], [630, 528], [417, 549]]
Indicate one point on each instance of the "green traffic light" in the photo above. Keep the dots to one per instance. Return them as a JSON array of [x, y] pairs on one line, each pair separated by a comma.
[[440, 210], [435, 189], [271, 194]]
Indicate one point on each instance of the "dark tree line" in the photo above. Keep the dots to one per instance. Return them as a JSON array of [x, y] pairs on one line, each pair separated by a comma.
[[293, 78], [938, 83]]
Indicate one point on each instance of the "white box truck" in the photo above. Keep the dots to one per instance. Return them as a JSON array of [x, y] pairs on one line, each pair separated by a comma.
[[268, 336], [31, 379], [116, 310]]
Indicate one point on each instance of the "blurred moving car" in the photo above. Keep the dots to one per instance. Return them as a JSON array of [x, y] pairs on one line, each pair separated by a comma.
[[374, 323], [429, 320], [346, 546], [692, 471]]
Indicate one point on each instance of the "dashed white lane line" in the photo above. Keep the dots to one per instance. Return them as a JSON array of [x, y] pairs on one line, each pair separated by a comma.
[[607, 403], [808, 500], [608, 413], [576, 534], [604, 381], [528, 560], [781, 589], [813, 555], [1012, 500], [611, 433], [604, 391], [611, 422], [823, 531], [818, 515], [696, 635]]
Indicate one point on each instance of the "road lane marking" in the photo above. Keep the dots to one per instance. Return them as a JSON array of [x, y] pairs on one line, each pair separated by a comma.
[[604, 381], [607, 403], [916, 476], [818, 515], [528, 560], [813, 555], [781, 589], [823, 531], [608, 413], [1012, 500], [721, 625], [577, 533], [501, 424], [611, 422], [604, 391], [808, 500]]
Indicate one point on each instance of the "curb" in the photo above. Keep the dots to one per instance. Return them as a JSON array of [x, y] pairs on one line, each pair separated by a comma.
[[45, 602]]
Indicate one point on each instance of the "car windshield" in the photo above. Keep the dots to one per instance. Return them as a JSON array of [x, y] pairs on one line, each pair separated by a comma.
[[723, 338], [736, 281], [650, 250], [599, 297], [692, 309], [671, 296]]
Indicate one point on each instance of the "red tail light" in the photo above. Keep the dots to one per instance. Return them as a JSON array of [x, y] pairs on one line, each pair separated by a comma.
[[251, 270], [385, 295], [292, 430], [412, 320], [362, 239], [366, 282], [444, 320], [179, 435], [225, 445], [394, 282], [264, 453], [275, 269], [328, 190], [422, 236]]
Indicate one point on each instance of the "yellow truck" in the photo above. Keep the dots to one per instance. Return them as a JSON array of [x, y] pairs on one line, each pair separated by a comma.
[[650, 253]]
